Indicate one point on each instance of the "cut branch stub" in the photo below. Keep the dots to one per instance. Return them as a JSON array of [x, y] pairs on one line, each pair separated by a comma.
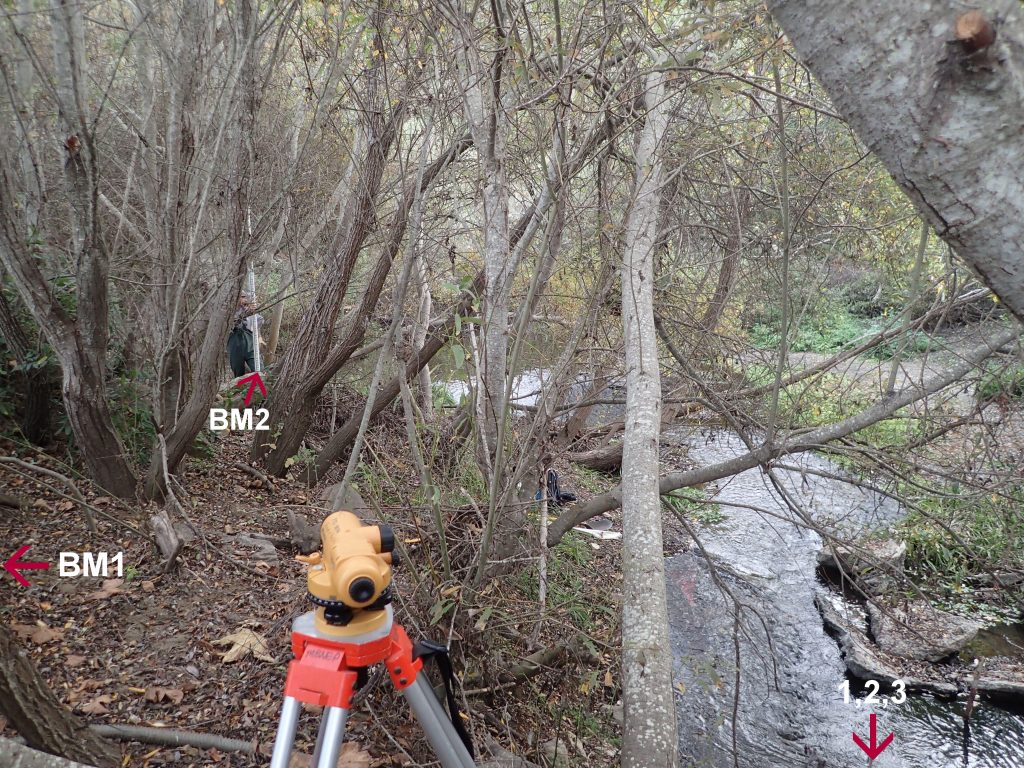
[[974, 31]]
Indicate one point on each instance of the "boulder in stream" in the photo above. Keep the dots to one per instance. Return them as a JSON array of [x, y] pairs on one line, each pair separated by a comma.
[[875, 565], [916, 630]]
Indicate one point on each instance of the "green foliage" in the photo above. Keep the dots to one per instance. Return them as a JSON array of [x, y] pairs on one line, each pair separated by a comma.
[[692, 502], [915, 343], [132, 416], [305, 457], [829, 398], [1001, 382], [951, 537], [441, 397], [826, 331], [568, 582]]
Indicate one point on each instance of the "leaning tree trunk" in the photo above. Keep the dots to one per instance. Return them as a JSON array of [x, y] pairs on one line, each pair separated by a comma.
[[39, 717], [649, 730], [937, 92]]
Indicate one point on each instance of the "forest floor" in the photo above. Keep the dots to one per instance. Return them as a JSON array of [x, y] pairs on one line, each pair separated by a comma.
[[204, 647]]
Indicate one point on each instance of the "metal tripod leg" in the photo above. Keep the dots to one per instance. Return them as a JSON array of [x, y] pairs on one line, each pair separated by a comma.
[[332, 734], [319, 740], [439, 731], [285, 733]]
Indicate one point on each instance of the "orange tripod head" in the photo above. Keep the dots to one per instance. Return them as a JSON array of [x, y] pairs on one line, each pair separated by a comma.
[[351, 578]]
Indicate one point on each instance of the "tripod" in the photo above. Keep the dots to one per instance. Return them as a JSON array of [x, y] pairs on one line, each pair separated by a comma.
[[338, 639]]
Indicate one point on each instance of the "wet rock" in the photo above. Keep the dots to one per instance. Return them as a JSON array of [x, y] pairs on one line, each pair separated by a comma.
[[916, 630], [1002, 687], [864, 661], [876, 565], [858, 653]]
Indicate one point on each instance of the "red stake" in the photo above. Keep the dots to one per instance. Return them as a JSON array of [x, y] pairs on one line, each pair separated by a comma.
[[13, 565], [875, 749]]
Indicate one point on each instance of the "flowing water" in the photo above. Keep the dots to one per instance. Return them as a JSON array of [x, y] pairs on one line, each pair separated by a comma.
[[790, 710]]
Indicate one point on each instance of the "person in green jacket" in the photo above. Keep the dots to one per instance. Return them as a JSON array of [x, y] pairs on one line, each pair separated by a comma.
[[240, 343]]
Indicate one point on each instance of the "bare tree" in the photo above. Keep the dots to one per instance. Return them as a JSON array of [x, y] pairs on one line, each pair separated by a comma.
[[936, 103], [649, 730]]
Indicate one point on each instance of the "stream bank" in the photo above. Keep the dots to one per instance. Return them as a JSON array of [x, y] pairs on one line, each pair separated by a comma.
[[759, 577]]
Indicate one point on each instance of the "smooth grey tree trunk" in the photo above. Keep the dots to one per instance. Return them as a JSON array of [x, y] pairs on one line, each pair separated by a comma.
[[649, 730], [944, 120]]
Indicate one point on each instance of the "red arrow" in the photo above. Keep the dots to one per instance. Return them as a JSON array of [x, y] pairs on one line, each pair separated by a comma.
[[13, 565], [254, 381], [875, 749]]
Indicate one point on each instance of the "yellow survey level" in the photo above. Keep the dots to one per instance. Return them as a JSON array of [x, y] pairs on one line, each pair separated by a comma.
[[350, 579]]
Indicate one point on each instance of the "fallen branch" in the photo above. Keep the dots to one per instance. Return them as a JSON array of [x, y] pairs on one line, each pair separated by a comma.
[[536, 662], [797, 441], [171, 737], [67, 481], [267, 483]]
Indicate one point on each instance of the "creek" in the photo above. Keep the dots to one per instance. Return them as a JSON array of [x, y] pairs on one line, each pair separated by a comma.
[[791, 710]]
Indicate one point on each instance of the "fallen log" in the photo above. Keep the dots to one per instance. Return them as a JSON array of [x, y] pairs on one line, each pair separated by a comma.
[[607, 458]]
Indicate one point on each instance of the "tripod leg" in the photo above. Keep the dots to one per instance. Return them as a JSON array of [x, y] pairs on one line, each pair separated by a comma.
[[332, 734], [285, 733], [435, 724], [319, 741]]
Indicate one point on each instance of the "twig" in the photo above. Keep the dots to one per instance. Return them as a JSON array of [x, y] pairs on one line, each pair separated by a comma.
[[15, 502], [170, 737], [86, 508], [267, 483]]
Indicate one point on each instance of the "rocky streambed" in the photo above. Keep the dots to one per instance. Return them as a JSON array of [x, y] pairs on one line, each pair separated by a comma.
[[763, 646]]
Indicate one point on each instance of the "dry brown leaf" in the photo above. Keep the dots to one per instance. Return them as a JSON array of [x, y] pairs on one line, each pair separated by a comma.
[[24, 631], [101, 501], [66, 506], [45, 634], [110, 588], [97, 706], [41, 504], [75, 661], [353, 756], [243, 642], [157, 694]]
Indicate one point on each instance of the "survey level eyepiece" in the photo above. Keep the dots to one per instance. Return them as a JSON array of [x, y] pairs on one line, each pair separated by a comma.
[[353, 572]]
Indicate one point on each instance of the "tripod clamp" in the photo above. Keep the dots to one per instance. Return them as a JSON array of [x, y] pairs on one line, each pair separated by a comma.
[[352, 628]]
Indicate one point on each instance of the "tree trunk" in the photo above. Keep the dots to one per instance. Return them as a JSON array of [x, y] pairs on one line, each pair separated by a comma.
[[294, 395], [944, 115], [649, 730], [342, 440], [39, 717]]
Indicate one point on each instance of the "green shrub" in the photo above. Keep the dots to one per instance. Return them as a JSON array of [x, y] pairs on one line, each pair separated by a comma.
[[1001, 381], [692, 502], [826, 331], [915, 343], [951, 537]]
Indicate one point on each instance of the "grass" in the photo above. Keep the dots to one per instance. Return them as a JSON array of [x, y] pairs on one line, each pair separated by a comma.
[[829, 398], [953, 537], [569, 582], [1001, 382], [692, 502], [826, 332]]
